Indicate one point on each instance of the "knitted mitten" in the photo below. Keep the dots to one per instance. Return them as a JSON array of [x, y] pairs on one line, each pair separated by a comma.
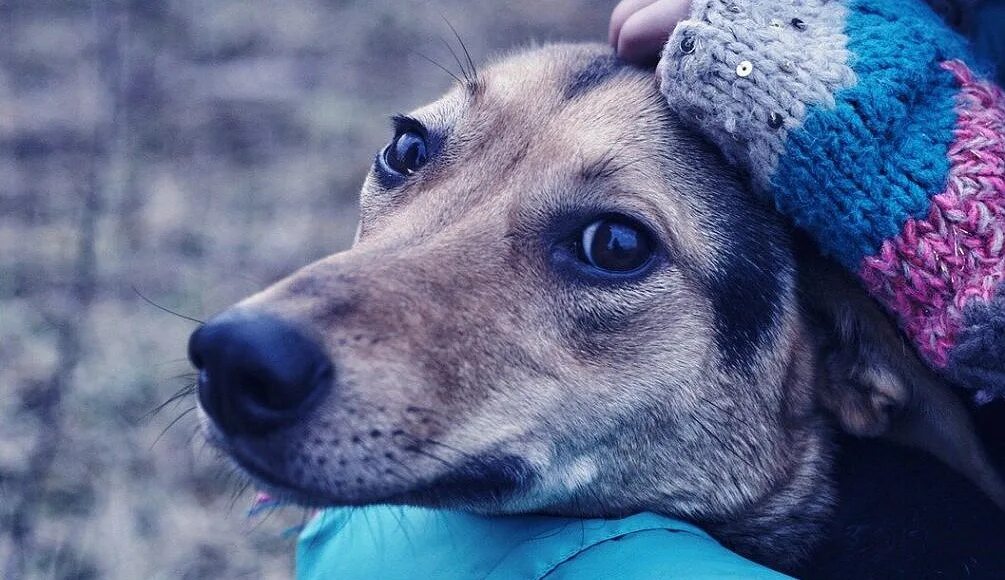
[[861, 121]]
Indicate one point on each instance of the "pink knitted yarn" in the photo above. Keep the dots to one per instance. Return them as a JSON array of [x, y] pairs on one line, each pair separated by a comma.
[[936, 266]]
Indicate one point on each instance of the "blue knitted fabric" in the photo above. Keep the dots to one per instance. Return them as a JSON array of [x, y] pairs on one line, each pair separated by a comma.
[[875, 171], [862, 121]]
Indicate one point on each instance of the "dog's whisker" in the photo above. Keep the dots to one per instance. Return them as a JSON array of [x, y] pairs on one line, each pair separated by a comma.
[[401, 464], [439, 66], [165, 308], [174, 422], [397, 475], [468, 68], [185, 391], [237, 493], [464, 47], [451, 448], [421, 451], [262, 518], [457, 59]]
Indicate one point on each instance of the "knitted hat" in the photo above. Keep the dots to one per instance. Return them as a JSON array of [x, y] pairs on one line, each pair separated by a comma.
[[861, 121]]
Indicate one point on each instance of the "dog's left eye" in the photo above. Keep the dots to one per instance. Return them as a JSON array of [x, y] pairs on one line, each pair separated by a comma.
[[615, 245], [406, 153]]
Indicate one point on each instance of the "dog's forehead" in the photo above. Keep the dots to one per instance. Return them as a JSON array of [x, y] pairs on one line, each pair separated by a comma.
[[576, 93], [535, 121], [555, 75]]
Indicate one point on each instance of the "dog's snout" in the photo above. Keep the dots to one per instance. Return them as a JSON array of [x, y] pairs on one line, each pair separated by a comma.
[[257, 373]]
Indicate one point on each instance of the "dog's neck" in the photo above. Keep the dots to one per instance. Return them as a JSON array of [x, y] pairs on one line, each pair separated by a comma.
[[784, 526]]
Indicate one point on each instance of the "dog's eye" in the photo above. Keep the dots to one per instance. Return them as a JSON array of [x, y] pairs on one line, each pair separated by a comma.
[[406, 153], [615, 245]]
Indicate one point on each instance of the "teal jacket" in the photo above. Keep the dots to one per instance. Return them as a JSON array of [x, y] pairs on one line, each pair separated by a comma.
[[393, 543]]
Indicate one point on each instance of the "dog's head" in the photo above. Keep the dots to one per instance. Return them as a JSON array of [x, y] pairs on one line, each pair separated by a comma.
[[560, 300]]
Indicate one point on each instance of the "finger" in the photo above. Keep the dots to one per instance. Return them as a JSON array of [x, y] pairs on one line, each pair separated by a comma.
[[645, 32], [621, 12]]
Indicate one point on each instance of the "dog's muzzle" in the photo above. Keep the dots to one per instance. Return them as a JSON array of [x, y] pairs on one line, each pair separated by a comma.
[[257, 373]]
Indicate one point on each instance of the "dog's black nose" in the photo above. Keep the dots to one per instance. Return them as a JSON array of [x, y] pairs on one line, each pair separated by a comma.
[[257, 373]]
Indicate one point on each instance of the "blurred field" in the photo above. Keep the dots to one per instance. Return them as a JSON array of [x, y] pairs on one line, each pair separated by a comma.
[[194, 151]]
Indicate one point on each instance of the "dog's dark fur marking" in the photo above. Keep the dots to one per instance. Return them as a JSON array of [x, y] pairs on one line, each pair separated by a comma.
[[597, 72], [480, 477], [747, 300], [746, 287]]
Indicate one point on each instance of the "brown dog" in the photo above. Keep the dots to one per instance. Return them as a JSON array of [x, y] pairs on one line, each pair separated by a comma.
[[563, 301]]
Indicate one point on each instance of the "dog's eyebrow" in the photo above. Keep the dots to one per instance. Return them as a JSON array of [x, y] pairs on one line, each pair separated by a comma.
[[596, 72], [605, 166], [402, 123]]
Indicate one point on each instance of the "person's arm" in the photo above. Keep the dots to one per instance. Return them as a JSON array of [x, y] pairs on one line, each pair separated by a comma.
[[862, 122]]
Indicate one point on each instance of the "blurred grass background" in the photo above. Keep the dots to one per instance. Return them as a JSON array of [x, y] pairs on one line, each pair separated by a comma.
[[193, 151]]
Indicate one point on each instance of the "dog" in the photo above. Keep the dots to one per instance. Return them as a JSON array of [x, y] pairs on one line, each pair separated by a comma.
[[562, 301]]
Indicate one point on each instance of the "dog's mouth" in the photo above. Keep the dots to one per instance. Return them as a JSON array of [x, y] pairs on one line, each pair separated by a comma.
[[488, 480], [277, 486]]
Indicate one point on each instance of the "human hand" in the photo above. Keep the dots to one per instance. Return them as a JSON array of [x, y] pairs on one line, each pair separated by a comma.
[[640, 28]]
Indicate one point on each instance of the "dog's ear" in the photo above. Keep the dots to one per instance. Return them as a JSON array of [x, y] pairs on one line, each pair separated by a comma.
[[875, 384]]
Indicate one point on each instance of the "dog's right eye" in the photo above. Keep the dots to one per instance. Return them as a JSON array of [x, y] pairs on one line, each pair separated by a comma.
[[615, 244]]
